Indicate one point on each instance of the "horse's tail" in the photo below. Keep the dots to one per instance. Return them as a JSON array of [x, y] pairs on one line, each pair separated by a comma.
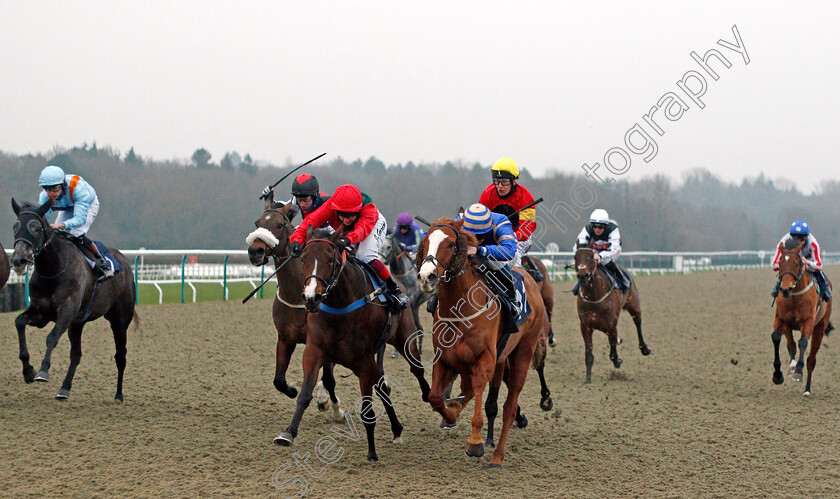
[[135, 319]]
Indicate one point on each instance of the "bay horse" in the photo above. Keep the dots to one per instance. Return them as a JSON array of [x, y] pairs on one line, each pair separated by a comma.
[[5, 267], [599, 305], [349, 327], [546, 291], [270, 240], [63, 289], [466, 341], [395, 256], [798, 306]]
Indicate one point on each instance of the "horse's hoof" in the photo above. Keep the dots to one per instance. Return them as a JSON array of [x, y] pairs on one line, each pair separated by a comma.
[[29, 374], [446, 426], [617, 363], [490, 443], [587, 381], [323, 406], [397, 440], [474, 450], [619, 341], [292, 392], [372, 457], [806, 394], [546, 404], [551, 342], [118, 397], [284, 439], [796, 376], [494, 466], [63, 394], [42, 376], [645, 350], [340, 417], [394, 354], [522, 422], [778, 378]]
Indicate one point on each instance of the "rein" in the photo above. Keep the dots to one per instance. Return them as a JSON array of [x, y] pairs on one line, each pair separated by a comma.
[[37, 250], [797, 276], [609, 289], [448, 274], [334, 275]]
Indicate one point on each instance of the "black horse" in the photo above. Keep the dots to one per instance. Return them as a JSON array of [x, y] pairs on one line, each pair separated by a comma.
[[397, 258], [63, 289]]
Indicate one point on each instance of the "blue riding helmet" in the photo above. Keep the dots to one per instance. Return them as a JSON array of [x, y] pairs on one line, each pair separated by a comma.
[[799, 228], [51, 175], [477, 219]]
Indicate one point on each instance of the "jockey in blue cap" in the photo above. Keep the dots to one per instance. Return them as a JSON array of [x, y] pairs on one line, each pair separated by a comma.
[[76, 203], [810, 253], [495, 252]]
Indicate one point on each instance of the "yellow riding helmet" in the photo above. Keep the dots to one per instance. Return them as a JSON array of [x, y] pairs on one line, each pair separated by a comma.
[[505, 168]]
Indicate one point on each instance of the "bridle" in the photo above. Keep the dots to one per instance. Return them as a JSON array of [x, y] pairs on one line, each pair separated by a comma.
[[448, 273], [796, 276], [589, 275], [36, 249], [335, 268], [280, 227], [393, 258]]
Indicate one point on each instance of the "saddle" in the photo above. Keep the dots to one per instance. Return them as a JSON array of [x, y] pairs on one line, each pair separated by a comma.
[[530, 267], [378, 284], [91, 260], [613, 278]]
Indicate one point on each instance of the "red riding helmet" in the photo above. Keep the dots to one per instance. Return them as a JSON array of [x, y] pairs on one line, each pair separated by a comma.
[[347, 198]]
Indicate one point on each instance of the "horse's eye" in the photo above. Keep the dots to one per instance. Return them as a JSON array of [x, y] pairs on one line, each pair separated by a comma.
[[34, 226], [451, 245]]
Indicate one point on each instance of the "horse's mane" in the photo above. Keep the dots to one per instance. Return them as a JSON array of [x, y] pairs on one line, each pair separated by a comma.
[[465, 239], [792, 244]]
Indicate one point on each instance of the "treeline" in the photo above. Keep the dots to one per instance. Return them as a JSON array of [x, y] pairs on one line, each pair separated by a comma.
[[200, 204]]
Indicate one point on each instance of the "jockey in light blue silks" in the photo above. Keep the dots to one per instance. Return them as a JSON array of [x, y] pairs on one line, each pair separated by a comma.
[[76, 203]]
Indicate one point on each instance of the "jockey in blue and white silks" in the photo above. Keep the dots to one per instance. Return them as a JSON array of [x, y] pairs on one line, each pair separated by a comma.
[[77, 205], [497, 244], [800, 232]]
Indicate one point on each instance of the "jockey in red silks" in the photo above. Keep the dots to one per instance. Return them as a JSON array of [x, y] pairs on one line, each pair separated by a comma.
[[799, 232], [355, 216]]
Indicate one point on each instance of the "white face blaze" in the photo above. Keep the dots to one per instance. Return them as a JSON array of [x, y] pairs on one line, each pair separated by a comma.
[[309, 290], [428, 268]]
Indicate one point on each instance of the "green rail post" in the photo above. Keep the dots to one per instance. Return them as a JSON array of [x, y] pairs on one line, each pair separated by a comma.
[[262, 278], [224, 280], [26, 287], [136, 288], [183, 278]]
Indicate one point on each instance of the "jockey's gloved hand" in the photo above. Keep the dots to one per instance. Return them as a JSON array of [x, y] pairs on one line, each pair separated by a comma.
[[342, 243], [266, 192], [296, 249]]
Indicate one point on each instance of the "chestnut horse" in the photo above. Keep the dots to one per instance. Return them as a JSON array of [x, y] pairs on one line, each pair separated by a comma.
[[4, 267], [599, 304], [271, 240], [348, 326], [798, 306], [64, 290], [546, 291], [465, 341]]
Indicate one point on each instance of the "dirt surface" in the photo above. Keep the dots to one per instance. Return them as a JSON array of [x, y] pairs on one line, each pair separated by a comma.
[[699, 417]]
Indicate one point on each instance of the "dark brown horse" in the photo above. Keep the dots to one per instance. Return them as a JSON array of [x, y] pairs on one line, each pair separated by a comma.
[[798, 306], [546, 291], [599, 304], [270, 240], [4, 267], [63, 289], [467, 331], [349, 328]]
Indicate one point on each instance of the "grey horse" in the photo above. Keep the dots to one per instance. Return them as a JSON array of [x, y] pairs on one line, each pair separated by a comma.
[[401, 264]]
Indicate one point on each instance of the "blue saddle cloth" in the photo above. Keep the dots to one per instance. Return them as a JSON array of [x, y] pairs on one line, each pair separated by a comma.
[[373, 278], [105, 252], [520, 307]]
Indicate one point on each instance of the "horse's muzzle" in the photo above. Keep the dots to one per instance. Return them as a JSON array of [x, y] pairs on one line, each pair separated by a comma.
[[312, 304], [257, 256], [428, 283], [786, 292], [22, 258]]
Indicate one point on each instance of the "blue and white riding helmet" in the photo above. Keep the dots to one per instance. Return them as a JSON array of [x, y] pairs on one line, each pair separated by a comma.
[[51, 175], [477, 219], [799, 228]]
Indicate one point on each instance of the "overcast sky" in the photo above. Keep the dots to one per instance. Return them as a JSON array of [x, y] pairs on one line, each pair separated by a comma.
[[551, 84]]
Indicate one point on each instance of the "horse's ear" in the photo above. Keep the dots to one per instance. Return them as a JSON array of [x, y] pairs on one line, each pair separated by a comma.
[[461, 211], [335, 236], [590, 244], [309, 231], [15, 207], [268, 203], [459, 223], [44, 208]]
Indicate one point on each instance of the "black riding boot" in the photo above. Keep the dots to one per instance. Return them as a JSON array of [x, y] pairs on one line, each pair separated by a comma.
[[431, 305], [618, 275], [104, 269], [825, 293], [776, 286], [529, 265], [396, 293]]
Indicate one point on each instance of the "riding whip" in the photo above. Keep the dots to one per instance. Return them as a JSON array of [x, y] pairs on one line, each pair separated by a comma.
[[291, 172], [252, 293], [422, 220]]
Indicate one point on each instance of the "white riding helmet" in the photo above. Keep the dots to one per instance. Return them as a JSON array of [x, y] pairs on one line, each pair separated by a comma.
[[599, 216]]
